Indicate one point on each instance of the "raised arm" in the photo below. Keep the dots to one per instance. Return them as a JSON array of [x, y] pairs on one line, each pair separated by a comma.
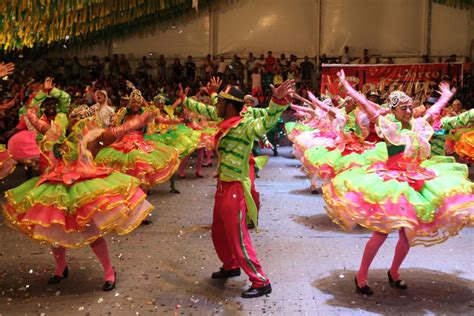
[[64, 100], [372, 112], [40, 125], [48, 89], [322, 105], [434, 111], [256, 112], [110, 135], [208, 111], [318, 104], [303, 109], [460, 120], [256, 128]]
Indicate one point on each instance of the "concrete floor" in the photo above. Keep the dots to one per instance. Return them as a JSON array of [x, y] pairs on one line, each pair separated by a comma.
[[164, 268]]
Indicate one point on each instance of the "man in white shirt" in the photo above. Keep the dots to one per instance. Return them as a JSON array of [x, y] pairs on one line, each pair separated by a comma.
[[345, 59], [103, 113]]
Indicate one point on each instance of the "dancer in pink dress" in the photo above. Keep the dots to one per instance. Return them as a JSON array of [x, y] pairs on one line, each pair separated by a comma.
[[75, 202], [427, 200]]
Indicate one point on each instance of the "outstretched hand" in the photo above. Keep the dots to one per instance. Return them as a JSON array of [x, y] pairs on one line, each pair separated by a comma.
[[182, 93], [6, 69], [214, 84], [445, 91], [341, 75], [203, 90], [285, 90], [48, 83]]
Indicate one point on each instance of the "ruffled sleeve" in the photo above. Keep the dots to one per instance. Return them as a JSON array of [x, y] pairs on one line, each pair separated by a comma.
[[416, 140]]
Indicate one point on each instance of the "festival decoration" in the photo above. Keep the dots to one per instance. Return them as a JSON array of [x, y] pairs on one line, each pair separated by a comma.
[[40, 23]]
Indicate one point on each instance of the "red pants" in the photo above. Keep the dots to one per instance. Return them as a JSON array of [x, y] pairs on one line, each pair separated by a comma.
[[230, 234]]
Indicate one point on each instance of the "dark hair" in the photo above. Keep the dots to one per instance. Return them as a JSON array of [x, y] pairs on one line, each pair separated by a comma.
[[48, 102], [236, 104]]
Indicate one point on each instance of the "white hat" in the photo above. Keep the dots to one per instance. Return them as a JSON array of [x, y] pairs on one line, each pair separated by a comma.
[[254, 100]]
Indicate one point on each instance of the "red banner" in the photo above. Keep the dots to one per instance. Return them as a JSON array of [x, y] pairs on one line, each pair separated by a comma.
[[415, 79]]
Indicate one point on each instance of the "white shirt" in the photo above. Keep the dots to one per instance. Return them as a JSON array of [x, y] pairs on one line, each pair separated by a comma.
[[103, 114], [345, 58], [256, 80]]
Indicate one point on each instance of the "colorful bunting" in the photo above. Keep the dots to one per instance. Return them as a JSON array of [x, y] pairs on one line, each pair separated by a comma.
[[40, 23]]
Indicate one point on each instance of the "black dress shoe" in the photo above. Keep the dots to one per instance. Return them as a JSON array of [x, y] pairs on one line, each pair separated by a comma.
[[224, 274], [399, 284], [109, 285], [366, 290], [55, 279], [147, 222], [174, 190], [257, 292]]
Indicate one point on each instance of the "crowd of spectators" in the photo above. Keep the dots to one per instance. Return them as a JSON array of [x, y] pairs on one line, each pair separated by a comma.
[[160, 75]]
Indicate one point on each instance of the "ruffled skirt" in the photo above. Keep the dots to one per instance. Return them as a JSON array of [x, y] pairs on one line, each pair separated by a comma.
[[77, 214], [150, 162], [328, 160], [184, 139], [293, 129], [207, 138], [432, 202], [310, 139]]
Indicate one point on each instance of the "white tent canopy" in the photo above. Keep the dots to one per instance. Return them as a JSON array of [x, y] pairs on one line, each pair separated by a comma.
[[399, 28]]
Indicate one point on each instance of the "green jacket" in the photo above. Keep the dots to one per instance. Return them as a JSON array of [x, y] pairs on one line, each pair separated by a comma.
[[448, 123], [235, 144], [461, 120], [64, 100]]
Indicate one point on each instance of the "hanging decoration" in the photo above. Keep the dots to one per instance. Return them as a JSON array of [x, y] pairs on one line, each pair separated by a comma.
[[43, 23]]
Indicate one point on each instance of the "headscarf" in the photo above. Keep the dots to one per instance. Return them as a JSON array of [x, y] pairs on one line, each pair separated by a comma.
[[104, 93], [137, 96], [397, 98]]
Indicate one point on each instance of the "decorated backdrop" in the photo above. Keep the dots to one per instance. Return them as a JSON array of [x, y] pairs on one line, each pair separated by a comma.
[[414, 79]]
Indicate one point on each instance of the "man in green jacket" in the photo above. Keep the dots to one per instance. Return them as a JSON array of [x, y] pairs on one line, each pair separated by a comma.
[[233, 199]]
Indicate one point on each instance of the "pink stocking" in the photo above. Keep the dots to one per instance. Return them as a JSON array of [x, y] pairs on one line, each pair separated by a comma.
[[59, 254], [102, 252], [371, 248], [401, 251], [200, 153], [208, 157], [182, 166]]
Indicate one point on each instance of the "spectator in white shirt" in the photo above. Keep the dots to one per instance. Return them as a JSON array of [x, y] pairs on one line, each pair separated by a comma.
[[345, 59]]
